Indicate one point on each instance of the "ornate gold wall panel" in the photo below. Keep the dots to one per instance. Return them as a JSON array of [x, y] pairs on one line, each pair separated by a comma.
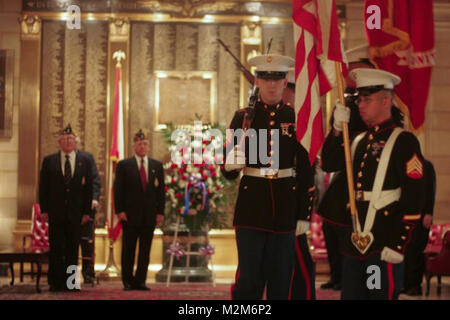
[[228, 74], [282, 38], [75, 80], [207, 55], [52, 92], [164, 49], [141, 80], [74, 89], [95, 106], [186, 47]]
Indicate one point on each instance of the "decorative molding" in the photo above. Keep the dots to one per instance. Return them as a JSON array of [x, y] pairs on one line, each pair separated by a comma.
[[181, 8], [164, 17], [187, 8], [31, 27], [119, 29]]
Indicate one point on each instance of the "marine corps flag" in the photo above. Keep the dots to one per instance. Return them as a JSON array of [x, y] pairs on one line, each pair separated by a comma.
[[403, 45]]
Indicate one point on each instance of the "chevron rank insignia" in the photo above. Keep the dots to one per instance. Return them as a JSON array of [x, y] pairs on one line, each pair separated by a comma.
[[414, 168]]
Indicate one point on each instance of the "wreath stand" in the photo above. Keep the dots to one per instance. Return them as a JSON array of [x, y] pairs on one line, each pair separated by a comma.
[[188, 254]]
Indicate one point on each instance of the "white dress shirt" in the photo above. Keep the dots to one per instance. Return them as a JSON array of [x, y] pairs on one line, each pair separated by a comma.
[[72, 156], [139, 160]]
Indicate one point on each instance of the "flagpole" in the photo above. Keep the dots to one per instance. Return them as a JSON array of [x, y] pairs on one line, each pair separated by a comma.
[[112, 270], [348, 158]]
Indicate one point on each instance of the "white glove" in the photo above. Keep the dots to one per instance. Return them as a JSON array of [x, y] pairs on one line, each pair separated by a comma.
[[341, 114], [235, 160], [391, 256], [302, 227]]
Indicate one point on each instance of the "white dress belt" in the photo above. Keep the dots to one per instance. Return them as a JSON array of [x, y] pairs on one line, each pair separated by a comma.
[[268, 173], [386, 197]]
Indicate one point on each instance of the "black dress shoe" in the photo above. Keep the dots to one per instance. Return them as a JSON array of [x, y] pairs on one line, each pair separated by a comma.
[[89, 280], [127, 287], [141, 287], [327, 285]]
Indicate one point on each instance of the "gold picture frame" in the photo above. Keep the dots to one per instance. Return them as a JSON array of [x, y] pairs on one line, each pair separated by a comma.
[[182, 97], [6, 92]]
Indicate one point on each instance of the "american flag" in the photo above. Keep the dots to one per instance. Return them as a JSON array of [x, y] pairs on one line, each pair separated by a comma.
[[318, 46]]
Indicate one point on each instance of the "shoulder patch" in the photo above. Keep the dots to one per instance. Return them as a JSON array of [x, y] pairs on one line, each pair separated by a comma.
[[414, 167]]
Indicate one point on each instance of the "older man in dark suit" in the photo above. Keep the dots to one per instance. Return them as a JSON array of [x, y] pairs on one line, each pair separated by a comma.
[[65, 195], [139, 201]]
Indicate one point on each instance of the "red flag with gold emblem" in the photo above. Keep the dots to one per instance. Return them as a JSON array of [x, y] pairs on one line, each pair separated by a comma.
[[404, 45]]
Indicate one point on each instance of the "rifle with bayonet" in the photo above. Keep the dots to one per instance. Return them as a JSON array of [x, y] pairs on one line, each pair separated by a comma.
[[247, 74]]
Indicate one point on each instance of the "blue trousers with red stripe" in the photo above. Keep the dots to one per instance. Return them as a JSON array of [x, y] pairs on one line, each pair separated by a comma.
[[265, 258], [303, 278], [357, 273]]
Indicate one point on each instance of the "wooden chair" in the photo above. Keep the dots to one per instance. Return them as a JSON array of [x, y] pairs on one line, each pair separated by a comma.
[[39, 238], [438, 264]]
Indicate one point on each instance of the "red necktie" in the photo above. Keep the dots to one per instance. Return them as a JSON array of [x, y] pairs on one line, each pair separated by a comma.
[[326, 180], [143, 175]]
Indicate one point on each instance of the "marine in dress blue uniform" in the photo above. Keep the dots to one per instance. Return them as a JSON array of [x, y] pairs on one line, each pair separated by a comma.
[[270, 202], [398, 207], [335, 199], [303, 280], [415, 257]]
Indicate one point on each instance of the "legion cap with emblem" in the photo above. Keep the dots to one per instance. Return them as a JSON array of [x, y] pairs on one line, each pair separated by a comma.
[[369, 81], [68, 130], [139, 136], [271, 66]]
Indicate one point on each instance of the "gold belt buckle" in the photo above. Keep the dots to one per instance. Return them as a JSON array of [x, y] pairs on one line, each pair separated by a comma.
[[271, 176], [360, 195]]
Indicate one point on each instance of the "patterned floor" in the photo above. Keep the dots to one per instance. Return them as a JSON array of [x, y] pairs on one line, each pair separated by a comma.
[[112, 290]]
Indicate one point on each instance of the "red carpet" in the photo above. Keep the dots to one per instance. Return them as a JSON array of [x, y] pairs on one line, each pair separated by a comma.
[[113, 291]]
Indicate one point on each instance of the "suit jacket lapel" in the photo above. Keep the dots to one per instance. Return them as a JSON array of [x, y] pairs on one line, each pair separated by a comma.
[[151, 173], [78, 164], [58, 165], [137, 169]]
